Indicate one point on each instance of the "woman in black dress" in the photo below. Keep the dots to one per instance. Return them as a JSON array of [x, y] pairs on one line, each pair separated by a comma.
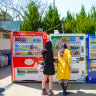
[[49, 70]]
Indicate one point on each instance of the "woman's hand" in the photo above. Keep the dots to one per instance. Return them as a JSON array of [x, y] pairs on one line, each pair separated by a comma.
[[70, 69]]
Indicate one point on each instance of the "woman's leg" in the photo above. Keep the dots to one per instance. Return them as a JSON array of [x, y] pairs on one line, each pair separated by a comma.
[[65, 84], [44, 81], [50, 82], [61, 82]]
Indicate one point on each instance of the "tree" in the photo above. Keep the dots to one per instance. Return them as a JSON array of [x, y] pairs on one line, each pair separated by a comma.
[[93, 19], [69, 23], [81, 23], [14, 8], [32, 18], [4, 16], [52, 20], [8, 6]]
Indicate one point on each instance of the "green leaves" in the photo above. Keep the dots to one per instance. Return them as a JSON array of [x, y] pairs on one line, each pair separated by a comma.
[[32, 18], [81, 22], [78, 23], [52, 20]]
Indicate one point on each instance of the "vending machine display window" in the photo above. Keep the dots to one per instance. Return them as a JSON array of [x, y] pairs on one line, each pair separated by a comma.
[[27, 46], [92, 47], [73, 43], [93, 63]]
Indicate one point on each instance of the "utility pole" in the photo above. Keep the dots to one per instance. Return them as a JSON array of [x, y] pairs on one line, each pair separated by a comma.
[[54, 4], [62, 28]]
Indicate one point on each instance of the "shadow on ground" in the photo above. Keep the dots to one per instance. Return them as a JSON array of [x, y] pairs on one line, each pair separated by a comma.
[[56, 86], [6, 71], [1, 91], [79, 93], [71, 87]]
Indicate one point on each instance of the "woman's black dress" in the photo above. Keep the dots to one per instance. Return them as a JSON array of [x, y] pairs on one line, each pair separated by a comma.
[[48, 62]]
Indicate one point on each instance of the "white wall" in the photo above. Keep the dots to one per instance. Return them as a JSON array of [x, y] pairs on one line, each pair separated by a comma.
[[4, 43]]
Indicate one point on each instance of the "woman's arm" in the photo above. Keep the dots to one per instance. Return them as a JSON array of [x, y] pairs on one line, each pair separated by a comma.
[[69, 61], [69, 58]]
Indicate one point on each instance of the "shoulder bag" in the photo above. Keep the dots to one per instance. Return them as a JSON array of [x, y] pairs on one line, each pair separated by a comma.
[[68, 65]]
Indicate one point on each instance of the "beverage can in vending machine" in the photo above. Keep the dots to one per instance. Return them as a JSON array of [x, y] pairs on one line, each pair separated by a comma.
[[21, 53], [20, 39], [24, 39], [30, 52], [22, 47], [28, 39], [28, 47], [15, 53], [34, 40], [15, 38], [25, 52]]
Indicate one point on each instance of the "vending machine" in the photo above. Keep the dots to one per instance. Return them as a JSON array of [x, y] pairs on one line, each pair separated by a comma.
[[76, 44], [26, 55], [91, 43]]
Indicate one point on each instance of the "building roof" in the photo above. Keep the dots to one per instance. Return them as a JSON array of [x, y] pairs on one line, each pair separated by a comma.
[[10, 25], [3, 30]]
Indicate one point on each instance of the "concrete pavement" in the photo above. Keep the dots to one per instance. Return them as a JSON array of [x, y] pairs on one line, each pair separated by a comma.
[[34, 89]]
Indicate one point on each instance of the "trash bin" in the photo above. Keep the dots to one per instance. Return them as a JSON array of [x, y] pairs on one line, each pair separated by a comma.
[[2, 59], [6, 60], [9, 58]]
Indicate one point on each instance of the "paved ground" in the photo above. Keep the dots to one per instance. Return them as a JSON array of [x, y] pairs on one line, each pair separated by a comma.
[[5, 76], [34, 89]]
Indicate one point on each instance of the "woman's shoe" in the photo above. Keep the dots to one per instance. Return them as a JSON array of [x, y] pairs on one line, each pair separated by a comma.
[[50, 93], [65, 93], [44, 92]]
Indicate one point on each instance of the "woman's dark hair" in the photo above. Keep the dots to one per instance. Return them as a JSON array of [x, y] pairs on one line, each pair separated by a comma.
[[48, 45], [64, 46]]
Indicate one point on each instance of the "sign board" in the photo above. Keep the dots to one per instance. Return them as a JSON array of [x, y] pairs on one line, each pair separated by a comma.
[[56, 32], [40, 29]]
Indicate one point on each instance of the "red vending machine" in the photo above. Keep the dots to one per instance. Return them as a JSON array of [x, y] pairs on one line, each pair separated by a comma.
[[26, 55]]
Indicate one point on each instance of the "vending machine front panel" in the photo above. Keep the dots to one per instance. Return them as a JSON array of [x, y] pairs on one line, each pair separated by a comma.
[[76, 44], [91, 58], [26, 55]]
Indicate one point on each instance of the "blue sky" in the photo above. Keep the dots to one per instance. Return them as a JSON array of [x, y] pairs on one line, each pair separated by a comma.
[[74, 6]]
